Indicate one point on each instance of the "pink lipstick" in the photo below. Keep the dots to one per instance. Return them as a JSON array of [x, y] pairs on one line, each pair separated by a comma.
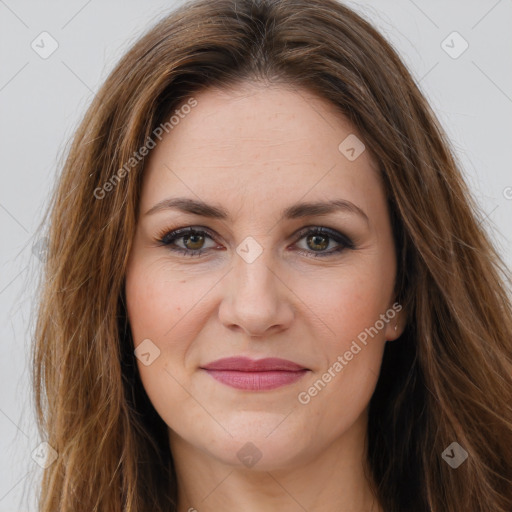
[[255, 375]]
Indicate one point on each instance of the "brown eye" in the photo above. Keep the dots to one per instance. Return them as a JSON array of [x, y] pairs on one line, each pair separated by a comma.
[[188, 241], [318, 239], [318, 242], [193, 242]]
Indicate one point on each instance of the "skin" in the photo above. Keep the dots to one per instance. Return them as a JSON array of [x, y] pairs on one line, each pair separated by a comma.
[[255, 150]]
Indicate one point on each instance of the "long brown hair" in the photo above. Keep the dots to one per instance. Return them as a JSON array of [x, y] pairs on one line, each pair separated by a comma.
[[448, 377]]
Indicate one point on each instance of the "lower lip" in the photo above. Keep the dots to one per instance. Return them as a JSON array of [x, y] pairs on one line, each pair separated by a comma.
[[256, 381]]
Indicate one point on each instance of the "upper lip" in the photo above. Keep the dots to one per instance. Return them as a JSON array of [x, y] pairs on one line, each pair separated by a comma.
[[245, 364]]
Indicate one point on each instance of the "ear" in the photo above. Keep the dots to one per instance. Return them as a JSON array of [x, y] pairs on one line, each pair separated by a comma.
[[397, 321]]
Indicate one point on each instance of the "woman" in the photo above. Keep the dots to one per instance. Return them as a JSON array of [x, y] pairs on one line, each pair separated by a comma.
[[267, 286]]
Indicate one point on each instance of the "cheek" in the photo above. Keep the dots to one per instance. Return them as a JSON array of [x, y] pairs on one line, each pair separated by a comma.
[[157, 303], [349, 306], [338, 393], [346, 301], [156, 306]]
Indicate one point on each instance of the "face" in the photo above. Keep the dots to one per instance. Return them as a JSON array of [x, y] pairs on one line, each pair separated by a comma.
[[257, 276]]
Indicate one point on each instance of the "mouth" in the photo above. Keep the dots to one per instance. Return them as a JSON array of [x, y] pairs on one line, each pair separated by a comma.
[[255, 375]]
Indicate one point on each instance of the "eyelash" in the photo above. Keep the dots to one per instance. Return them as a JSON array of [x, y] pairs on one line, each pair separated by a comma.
[[166, 238]]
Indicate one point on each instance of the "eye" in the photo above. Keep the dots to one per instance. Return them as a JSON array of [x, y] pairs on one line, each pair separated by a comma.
[[191, 241], [318, 239]]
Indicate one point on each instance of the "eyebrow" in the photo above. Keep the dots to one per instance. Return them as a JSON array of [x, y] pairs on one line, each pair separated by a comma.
[[296, 211]]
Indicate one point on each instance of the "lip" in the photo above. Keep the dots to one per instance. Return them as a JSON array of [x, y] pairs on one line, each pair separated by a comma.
[[255, 375]]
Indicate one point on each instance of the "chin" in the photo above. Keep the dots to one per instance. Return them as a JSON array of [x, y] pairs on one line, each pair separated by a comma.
[[259, 441], [260, 453]]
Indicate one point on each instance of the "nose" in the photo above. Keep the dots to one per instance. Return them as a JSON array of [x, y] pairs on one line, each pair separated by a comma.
[[256, 299]]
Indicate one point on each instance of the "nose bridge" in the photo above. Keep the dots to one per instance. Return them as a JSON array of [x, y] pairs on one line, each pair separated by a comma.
[[255, 300], [254, 273]]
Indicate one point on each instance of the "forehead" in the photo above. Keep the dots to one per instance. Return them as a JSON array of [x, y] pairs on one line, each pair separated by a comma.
[[259, 143]]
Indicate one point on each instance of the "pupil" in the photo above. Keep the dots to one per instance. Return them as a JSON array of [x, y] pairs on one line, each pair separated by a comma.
[[316, 237], [192, 237]]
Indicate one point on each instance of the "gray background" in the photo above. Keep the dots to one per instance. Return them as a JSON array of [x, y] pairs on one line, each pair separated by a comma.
[[42, 100]]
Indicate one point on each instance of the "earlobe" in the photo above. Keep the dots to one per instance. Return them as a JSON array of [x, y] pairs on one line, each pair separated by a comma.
[[397, 318], [395, 334], [395, 331], [396, 326]]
